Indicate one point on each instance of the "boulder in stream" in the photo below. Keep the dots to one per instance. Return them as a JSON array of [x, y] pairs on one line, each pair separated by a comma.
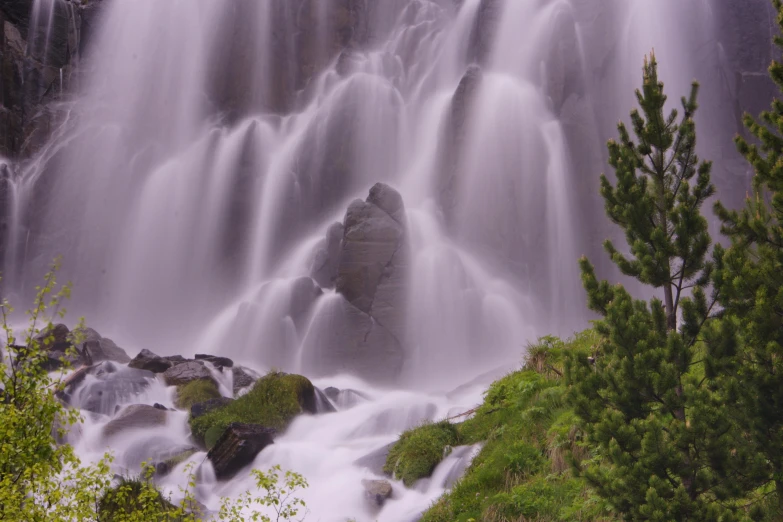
[[133, 417], [237, 447], [146, 360], [377, 491], [186, 372]]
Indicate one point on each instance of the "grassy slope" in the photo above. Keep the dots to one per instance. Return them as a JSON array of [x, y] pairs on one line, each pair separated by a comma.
[[523, 471]]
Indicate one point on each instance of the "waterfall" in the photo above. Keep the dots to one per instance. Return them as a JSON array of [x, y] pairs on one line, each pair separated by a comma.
[[216, 149], [215, 144]]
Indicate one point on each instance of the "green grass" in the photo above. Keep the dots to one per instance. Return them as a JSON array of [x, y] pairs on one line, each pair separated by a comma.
[[419, 450], [530, 435], [273, 401], [195, 392]]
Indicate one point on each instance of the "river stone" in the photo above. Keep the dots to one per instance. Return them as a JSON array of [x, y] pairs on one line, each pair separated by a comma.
[[377, 491], [146, 360], [237, 448], [218, 362], [375, 460], [202, 408], [322, 404], [186, 372], [103, 349], [135, 416], [110, 384], [242, 379]]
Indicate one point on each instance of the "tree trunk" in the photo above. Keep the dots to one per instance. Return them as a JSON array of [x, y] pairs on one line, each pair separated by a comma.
[[779, 491]]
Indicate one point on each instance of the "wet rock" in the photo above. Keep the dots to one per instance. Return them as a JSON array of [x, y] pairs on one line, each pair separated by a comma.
[[99, 349], [237, 447], [332, 393], [133, 417], [327, 257], [57, 342], [372, 238], [322, 404], [165, 467], [242, 378], [344, 399], [218, 362], [186, 372], [100, 388], [375, 460], [377, 491], [304, 293], [159, 406], [202, 408], [146, 360]]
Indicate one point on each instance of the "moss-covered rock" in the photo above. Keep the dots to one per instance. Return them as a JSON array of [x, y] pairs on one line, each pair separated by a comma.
[[195, 392], [273, 402], [420, 450]]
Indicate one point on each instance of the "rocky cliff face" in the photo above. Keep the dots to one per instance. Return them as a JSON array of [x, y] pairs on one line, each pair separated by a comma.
[[40, 46]]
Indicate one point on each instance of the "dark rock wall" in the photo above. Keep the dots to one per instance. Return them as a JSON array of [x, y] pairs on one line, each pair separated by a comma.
[[35, 73]]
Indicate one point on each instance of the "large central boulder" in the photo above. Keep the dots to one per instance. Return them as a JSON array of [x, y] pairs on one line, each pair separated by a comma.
[[364, 332]]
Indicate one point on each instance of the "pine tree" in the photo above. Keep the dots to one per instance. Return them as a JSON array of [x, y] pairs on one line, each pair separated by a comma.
[[749, 276], [666, 444]]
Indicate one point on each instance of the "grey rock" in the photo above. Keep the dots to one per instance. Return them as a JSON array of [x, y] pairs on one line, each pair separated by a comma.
[[134, 417], [108, 385], [219, 362], [186, 372], [327, 257], [322, 403], [237, 448], [242, 378], [202, 408], [99, 348], [377, 491], [146, 360], [375, 460]]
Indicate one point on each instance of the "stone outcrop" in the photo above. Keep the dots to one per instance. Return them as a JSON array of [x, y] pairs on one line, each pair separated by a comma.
[[237, 448]]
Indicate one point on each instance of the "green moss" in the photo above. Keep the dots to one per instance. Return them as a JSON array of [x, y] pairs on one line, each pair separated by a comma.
[[195, 392], [212, 435], [273, 401], [530, 435], [419, 451]]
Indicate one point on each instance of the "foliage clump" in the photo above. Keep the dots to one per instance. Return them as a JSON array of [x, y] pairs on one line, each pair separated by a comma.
[[273, 401], [418, 451], [195, 392]]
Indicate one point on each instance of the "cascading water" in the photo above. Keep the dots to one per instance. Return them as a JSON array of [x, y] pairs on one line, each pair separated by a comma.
[[215, 145]]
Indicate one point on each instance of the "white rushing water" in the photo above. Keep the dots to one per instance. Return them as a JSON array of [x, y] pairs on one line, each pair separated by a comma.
[[213, 144]]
